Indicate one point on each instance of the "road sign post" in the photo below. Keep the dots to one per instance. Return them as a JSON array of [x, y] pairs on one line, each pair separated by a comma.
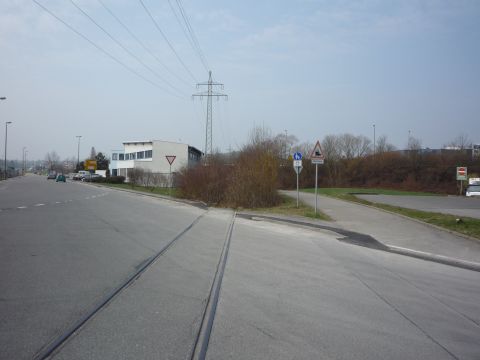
[[461, 176], [317, 158], [297, 165], [170, 159]]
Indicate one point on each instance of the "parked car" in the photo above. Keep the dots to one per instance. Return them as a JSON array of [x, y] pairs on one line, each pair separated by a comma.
[[90, 177], [473, 190], [61, 178], [52, 176]]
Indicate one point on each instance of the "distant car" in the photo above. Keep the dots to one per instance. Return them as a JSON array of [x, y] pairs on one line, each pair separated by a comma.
[[61, 177], [473, 190], [52, 176]]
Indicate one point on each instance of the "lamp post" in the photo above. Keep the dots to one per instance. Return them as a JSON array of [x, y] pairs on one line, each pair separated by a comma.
[[4, 98], [6, 138], [23, 160], [78, 150], [374, 142]]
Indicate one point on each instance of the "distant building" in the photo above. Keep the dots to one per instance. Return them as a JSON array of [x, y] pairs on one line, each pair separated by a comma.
[[152, 155]]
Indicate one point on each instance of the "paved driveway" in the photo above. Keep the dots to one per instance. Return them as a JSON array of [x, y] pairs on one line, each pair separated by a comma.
[[455, 205]]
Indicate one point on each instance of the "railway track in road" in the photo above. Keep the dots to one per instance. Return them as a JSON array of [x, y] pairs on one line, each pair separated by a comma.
[[200, 344]]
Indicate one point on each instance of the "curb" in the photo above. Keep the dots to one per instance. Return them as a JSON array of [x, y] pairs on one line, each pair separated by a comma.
[[369, 242], [469, 265], [197, 204]]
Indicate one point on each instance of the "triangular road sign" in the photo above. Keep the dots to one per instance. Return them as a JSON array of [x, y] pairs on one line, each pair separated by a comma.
[[317, 153], [170, 158]]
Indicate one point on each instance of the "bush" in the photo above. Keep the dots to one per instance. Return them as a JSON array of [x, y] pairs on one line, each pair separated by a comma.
[[115, 179], [205, 182], [250, 180], [254, 181]]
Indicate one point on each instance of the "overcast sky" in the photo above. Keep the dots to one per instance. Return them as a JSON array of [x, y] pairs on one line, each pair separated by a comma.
[[312, 68]]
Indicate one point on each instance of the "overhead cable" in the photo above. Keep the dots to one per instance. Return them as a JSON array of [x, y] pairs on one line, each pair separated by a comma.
[[125, 48], [98, 47], [142, 44], [188, 34], [166, 40], [192, 35]]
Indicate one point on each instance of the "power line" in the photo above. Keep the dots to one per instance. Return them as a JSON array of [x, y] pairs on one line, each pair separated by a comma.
[[189, 34], [125, 48], [98, 47], [192, 34], [142, 44], [166, 40]]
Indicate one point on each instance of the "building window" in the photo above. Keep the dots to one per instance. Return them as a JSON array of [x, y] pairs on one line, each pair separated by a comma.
[[148, 154], [121, 156], [132, 156], [114, 172], [114, 156], [127, 156], [140, 154]]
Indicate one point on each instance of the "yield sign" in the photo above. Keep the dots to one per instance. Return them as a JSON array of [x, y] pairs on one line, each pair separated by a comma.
[[317, 153], [170, 158]]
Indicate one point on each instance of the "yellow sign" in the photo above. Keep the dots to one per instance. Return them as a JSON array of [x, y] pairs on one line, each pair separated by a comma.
[[91, 165]]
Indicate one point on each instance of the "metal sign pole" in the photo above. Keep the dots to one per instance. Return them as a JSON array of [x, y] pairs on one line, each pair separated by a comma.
[[170, 187], [316, 186], [297, 190]]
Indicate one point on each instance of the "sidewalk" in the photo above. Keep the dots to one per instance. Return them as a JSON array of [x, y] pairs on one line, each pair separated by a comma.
[[394, 230]]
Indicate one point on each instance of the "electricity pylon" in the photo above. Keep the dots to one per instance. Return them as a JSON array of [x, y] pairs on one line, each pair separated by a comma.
[[209, 94]]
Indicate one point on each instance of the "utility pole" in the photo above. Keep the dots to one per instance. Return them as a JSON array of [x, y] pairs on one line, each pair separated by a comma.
[[6, 138], [374, 142], [78, 150], [209, 94], [23, 160]]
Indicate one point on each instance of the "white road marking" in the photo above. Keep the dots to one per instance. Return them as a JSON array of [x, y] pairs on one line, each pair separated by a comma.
[[57, 202], [21, 207], [39, 205]]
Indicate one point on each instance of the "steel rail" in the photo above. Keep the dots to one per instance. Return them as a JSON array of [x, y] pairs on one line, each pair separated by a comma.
[[199, 351], [50, 348]]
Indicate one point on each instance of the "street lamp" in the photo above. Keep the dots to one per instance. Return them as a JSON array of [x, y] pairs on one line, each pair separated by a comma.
[[23, 160], [6, 137], [78, 150], [4, 98]]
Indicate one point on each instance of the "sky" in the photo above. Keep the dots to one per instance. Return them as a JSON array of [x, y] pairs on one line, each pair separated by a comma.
[[311, 68]]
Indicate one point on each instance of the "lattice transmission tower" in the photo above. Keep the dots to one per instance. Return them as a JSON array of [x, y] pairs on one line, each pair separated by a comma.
[[209, 93]]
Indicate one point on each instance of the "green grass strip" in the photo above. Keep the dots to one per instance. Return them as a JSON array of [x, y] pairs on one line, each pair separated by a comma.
[[288, 207], [343, 191]]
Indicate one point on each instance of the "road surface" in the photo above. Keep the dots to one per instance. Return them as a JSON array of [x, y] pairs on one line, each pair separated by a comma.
[[283, 291], [455, 205]]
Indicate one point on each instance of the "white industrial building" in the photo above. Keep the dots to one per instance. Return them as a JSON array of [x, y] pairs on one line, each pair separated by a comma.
[[152, 155]]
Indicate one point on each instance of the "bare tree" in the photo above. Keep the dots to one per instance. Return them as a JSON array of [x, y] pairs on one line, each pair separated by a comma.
[[93, 153], [461, 142], [53, 161], [135, 176], [354, 146], [414, 144], [383, 146]]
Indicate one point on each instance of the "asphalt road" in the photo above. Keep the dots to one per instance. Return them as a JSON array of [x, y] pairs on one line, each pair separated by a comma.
[[455, 205], [288, 292]]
